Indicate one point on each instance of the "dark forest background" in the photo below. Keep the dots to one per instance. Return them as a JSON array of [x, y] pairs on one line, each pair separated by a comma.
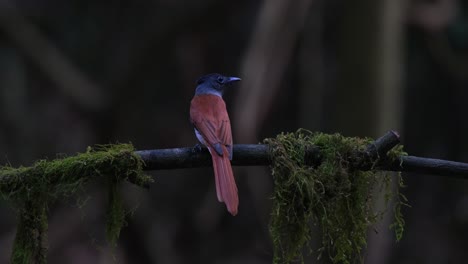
[[79, 73]]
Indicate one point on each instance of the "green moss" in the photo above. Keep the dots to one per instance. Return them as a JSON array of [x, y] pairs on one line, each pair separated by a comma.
[[331, 196], [399, 198], [115, 213], [30, 244], [31, 189]]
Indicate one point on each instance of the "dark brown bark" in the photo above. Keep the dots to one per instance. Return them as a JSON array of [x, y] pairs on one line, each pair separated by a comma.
[[258, 155]]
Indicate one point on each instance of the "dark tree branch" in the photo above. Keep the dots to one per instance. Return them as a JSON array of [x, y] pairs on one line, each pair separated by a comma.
[[429, 166], [178, 158], [258, 155], [375, 152], [382, 145]]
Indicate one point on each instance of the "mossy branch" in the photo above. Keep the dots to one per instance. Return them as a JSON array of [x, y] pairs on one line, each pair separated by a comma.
[[244, 155], [258, 155], [33, 189]]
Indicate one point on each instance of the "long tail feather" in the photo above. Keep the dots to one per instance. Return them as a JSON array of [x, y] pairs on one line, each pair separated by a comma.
[[217, 183], [226, 187]]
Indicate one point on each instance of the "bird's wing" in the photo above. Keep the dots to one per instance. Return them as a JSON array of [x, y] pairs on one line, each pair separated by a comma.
[[209, 116], [226, 135]]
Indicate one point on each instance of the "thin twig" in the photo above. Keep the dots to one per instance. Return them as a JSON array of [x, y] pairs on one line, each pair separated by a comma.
[[429, 166]]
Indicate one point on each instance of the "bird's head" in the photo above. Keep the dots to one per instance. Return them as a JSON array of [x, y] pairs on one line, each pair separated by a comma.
[[214, 83]]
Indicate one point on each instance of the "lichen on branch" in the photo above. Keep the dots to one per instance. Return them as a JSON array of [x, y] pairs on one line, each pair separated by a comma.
[[332, 196], [32, 189]]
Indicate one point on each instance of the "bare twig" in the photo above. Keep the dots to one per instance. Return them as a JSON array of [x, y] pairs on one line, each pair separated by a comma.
[[178, 158], [382, 145], [429, 166]]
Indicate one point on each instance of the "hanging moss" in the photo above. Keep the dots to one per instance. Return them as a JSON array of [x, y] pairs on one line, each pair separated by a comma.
[[31, 189], [30, 245], [115, 213], [331, 196]]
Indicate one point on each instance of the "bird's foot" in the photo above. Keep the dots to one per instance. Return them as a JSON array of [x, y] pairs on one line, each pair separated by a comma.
[[197, 148]]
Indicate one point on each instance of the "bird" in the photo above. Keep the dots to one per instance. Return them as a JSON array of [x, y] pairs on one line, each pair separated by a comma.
[[212, 126]]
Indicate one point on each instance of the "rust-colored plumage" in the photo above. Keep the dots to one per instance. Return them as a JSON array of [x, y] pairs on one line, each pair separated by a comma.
[[209, 116]]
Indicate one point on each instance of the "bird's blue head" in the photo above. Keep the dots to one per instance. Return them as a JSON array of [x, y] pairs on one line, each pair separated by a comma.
[[214, 84]]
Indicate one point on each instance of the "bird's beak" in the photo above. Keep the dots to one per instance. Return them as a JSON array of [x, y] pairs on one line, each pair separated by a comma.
[[233, 79]]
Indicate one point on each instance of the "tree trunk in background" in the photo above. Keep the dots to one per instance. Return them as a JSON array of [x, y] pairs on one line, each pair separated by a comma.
[[312, 70], [354, 110], [390, 108], [368, 95], [268, 55], [390, 71], [312, 89]]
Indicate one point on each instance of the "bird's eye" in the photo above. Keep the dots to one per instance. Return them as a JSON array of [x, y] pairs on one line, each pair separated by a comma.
[[220, 79]]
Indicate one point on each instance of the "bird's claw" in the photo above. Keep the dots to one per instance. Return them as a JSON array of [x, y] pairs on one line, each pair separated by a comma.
[[197, 148]]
